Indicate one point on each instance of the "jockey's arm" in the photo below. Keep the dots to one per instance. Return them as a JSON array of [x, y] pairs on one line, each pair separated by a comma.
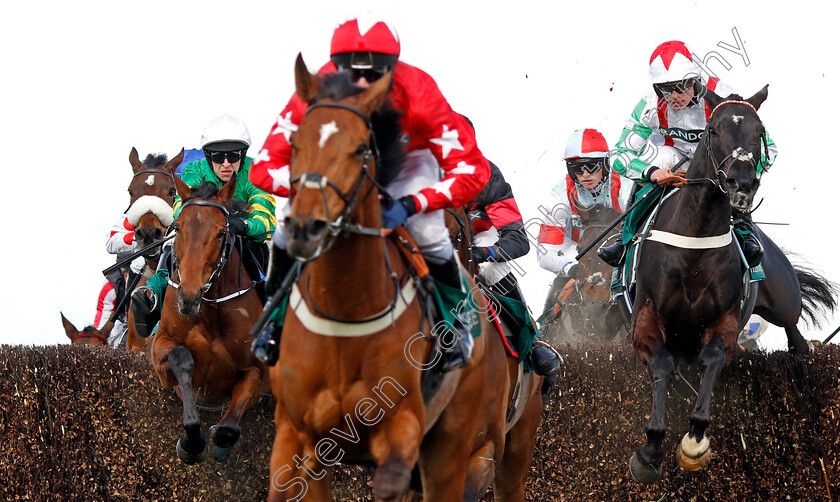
[[634, 144], [503, 212], [768, 157], [261, 207], [121, 238], [555, 248]]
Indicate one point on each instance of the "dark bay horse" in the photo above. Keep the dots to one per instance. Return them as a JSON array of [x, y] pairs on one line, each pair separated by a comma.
[[89, 335], [353, 353], [690, 296], [152, 195], [203, 344], [583, 309]]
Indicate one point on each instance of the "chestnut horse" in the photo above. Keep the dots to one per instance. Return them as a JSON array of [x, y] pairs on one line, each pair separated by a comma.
[[202, 345], [348, 382], [89, 335], [152, 192], [582, 308]]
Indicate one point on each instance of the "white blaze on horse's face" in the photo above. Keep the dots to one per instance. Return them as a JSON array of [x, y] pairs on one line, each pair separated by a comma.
[[741, 154], [327, 130], [737, 118], [150, 180]]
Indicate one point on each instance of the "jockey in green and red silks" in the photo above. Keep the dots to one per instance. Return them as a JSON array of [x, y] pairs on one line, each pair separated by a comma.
[[666, 126]]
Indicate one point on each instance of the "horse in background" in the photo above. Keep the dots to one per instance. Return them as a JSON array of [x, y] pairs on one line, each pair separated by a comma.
[[89, 336], [581, 309], [353, 380], [203, 346], [152, 195], [691, 297]]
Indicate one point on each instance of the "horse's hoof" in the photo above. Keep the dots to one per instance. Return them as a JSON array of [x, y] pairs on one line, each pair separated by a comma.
[[223, 440], [644, 473], [221, 454], [693, 455], [191, 458]]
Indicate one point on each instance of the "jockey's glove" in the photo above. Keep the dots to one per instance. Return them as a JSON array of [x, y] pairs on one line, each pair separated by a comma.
[[238, 226], [481, 254], [395, 212]]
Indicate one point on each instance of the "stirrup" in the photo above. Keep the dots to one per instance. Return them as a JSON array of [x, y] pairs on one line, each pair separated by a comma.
[[545, 359], [460, 353], [612, 254], [266, 347]]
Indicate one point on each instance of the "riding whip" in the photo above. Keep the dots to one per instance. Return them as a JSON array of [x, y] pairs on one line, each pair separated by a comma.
[[128, 259]]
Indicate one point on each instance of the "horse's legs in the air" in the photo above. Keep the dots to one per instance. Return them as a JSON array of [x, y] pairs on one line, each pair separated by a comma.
[[245, 394], [296, 473], [694, 451], [796, 342], [192, 447], [646, 464], [509, 485], [395, 448]]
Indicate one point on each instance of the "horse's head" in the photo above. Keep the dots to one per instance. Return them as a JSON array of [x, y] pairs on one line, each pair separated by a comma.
[[89, 335], [152, 192], [202, 242], [334, 160], [593, 273], [735, 140]]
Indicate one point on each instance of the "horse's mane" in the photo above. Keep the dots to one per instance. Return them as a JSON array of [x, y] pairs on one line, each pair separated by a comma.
[[386, 126], [208, 190], [155, 160]]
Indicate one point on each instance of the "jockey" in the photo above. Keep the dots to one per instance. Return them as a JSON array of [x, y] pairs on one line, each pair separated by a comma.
[[589, 182], [438, 140], [498, 237], [225, 142], [666, 126], [110, 296]]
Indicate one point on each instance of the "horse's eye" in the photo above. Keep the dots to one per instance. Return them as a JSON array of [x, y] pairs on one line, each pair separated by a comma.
[[360, 151], [172, 192], [221, 235], [712, 131]]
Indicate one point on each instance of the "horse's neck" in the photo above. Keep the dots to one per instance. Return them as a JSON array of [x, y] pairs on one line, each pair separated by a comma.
[[353, 278], [702, 209]]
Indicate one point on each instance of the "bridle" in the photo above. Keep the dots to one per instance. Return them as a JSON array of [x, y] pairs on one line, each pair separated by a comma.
[[317, 181], [90, 335], [224, 253], [721, 172]]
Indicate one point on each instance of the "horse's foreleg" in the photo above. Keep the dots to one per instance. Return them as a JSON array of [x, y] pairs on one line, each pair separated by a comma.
[[512, 472], [296, 472], [646, 464], [796, 342], [395, 448], [245, 394], [694, 451], [192, 447]]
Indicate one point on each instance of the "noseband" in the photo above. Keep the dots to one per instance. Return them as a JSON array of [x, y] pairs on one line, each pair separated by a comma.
[[317, 181]]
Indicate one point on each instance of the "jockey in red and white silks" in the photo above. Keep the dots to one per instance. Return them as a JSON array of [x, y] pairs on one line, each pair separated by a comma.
[[589, 181], [667, 124], [438, 140]]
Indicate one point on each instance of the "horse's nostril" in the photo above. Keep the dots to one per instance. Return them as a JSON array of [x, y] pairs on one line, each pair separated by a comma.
[[316, 228]]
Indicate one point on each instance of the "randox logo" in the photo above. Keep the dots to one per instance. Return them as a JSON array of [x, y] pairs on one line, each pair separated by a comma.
[[691, 136]]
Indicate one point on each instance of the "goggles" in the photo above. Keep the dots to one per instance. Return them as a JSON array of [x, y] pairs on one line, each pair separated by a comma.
[[579, 166], [680, 87], [219, 157]]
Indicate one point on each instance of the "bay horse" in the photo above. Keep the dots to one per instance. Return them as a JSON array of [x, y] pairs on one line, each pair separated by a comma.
[[349, 379], [89, 335], [691, 299], [152, 195], [202, 345], [582, 308]]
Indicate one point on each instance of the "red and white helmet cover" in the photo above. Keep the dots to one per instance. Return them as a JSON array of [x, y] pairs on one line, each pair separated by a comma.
[[672, 62], [587, 143]]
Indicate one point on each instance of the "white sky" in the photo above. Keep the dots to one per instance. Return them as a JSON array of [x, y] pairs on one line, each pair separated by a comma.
[[84, 81]]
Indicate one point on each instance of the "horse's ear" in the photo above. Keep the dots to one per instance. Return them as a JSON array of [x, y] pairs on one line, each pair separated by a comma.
[[134, 160], [226, 193], [182, 188], [305, 82], [374, 96], [712, 99], [758, 97], [174, 163], [68, 327], [106, 330]]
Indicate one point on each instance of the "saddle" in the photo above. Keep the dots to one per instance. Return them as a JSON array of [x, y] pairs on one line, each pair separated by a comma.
[[623, 281]]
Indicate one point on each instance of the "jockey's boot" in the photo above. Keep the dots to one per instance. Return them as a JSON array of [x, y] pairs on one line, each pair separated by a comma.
[[456, 344], [545, 360], [145, 309], [753, 251], [612, 254], [266, 347]]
